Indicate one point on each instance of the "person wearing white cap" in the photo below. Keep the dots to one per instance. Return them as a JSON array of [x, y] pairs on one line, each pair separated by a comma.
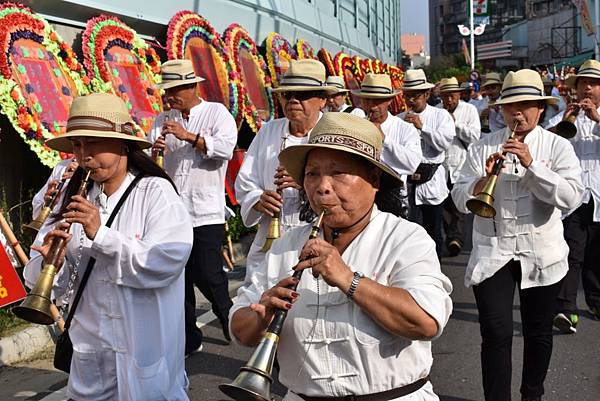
[[489, 112], [582, 226], [338, 101], [264, 188], [126, 323], [197, 145], [468, 131], [427, 186], [523, 245]]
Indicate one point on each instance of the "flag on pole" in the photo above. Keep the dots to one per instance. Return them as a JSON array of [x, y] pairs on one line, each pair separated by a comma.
[[11, 288], [466, 53]]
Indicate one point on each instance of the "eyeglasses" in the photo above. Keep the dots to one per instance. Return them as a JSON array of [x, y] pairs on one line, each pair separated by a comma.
[[301, 96]]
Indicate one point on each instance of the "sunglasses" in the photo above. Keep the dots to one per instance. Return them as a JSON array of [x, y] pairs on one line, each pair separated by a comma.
[[301, 96]]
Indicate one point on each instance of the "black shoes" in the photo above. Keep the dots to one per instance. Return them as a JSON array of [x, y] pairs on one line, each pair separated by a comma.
[[454, 247], [226, 335]]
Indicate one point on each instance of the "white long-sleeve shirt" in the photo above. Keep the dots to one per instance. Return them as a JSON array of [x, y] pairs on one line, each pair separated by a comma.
[[329, 346], [200, 177], [468, 131], [128, 329], [587, 147], [256, 175], [528, 202], [437, 134], [401, 145]]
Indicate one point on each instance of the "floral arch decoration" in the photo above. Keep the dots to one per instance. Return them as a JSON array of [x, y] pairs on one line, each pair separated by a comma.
[[325, 57], [116, 56], [35, 60], [251, 69], [305, 50], [349, 70], [397, 76], [191, 36], [279, 53]]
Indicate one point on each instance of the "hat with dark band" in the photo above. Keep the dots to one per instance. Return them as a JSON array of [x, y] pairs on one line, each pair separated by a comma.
[[590, 69], [492, 78], [415, 80], [376, 86], [450, 85], [338, 83], [176, 73], [304, 75], [522, 86]]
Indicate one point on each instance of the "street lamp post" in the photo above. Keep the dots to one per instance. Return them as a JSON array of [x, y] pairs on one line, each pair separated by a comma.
[[472, 33]]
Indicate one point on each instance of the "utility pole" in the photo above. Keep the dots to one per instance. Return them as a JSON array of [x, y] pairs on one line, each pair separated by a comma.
[[596, 33], [473, 33]]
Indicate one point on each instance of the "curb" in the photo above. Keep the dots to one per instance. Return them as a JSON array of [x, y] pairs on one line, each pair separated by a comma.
[[24, 344]]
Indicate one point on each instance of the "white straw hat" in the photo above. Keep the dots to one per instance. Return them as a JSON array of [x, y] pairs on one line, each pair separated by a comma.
[[590, 69], [337, 82], [415, 80], [178, 72], [522, 86], [450, 85], [304, 75], [492, 78], [376, 86]]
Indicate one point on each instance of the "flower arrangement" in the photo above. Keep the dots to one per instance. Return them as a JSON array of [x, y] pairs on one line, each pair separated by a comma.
[[236, 38], [278, 50], [186, 25], [397, 76], [107, 39], [325, 57], [25, 35], [304, 50]]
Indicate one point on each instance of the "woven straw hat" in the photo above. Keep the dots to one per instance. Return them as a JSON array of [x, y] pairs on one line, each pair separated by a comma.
[[100, 115], [337, 82], [522, 86], [450, 85], [304, 75], [415, 80], [492, 78], [376, 86], [176, 73], [344, 132], [590, 69]]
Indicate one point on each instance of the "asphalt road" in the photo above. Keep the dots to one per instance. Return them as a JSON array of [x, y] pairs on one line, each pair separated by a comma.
[[574, 371]]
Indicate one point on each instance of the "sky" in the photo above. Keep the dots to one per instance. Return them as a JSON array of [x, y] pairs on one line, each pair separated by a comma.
[[414, 18]]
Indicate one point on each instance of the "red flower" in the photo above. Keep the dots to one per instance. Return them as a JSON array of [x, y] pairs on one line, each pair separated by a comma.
[[15, 95]]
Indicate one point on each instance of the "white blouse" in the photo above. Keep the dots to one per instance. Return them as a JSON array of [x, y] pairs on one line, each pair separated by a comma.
[[128, 329], [528, 202], [329, 346]]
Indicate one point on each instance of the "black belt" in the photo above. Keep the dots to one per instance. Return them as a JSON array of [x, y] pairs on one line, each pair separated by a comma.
[[382, 396]]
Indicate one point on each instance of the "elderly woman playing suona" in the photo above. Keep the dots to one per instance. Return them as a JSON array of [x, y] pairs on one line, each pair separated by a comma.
[[523, 244], [362, 320]]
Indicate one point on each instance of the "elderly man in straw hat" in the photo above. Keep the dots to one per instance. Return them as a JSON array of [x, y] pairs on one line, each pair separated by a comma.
[[401, 142], [427, 186], [491, 117], [523, 245], [128, 328], [337, 101], [197, 138], [582, 226], [374, 340], [264, 189], [468, 130]]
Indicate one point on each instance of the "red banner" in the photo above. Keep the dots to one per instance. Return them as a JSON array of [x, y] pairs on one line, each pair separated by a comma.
[[11, 288]]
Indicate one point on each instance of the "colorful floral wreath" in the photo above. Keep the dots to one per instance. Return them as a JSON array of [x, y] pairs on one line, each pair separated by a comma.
[[397, 76], [277, 47], [342, 63], [325, 57], [100, 36], [237, 38], [18, 100], [186, 25], [304, 50]]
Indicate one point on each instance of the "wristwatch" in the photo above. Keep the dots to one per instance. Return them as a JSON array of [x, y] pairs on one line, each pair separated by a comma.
[[354, 284]]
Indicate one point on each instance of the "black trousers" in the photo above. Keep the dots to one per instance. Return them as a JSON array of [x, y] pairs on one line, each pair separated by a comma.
[[429, 217], [494, 298], [454, 221], [583, 237], [204, 269]]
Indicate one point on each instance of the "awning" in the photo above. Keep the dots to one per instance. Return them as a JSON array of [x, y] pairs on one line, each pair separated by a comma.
[[577, 60]]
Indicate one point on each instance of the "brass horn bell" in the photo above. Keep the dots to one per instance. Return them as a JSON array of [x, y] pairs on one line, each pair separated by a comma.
[[253, 383], [567, 128], [483, 204], [273, 233], [36, 306], [34, 227]]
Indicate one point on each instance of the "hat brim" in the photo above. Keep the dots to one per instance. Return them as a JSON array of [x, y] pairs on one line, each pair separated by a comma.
[[525, 98], [180, 82], [293, 159], [302, 88], [370, 95], [571, 81], [494, 82], [420, 87], [457, 89], [339, 90], [63, 143]]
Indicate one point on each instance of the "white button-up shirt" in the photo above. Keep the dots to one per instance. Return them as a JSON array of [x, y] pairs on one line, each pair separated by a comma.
[[329, 346], [199, 177], [468, 131], [437, 134], [401, 145], [256, 175], [587, 147], [528, 202], [128, 329]]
